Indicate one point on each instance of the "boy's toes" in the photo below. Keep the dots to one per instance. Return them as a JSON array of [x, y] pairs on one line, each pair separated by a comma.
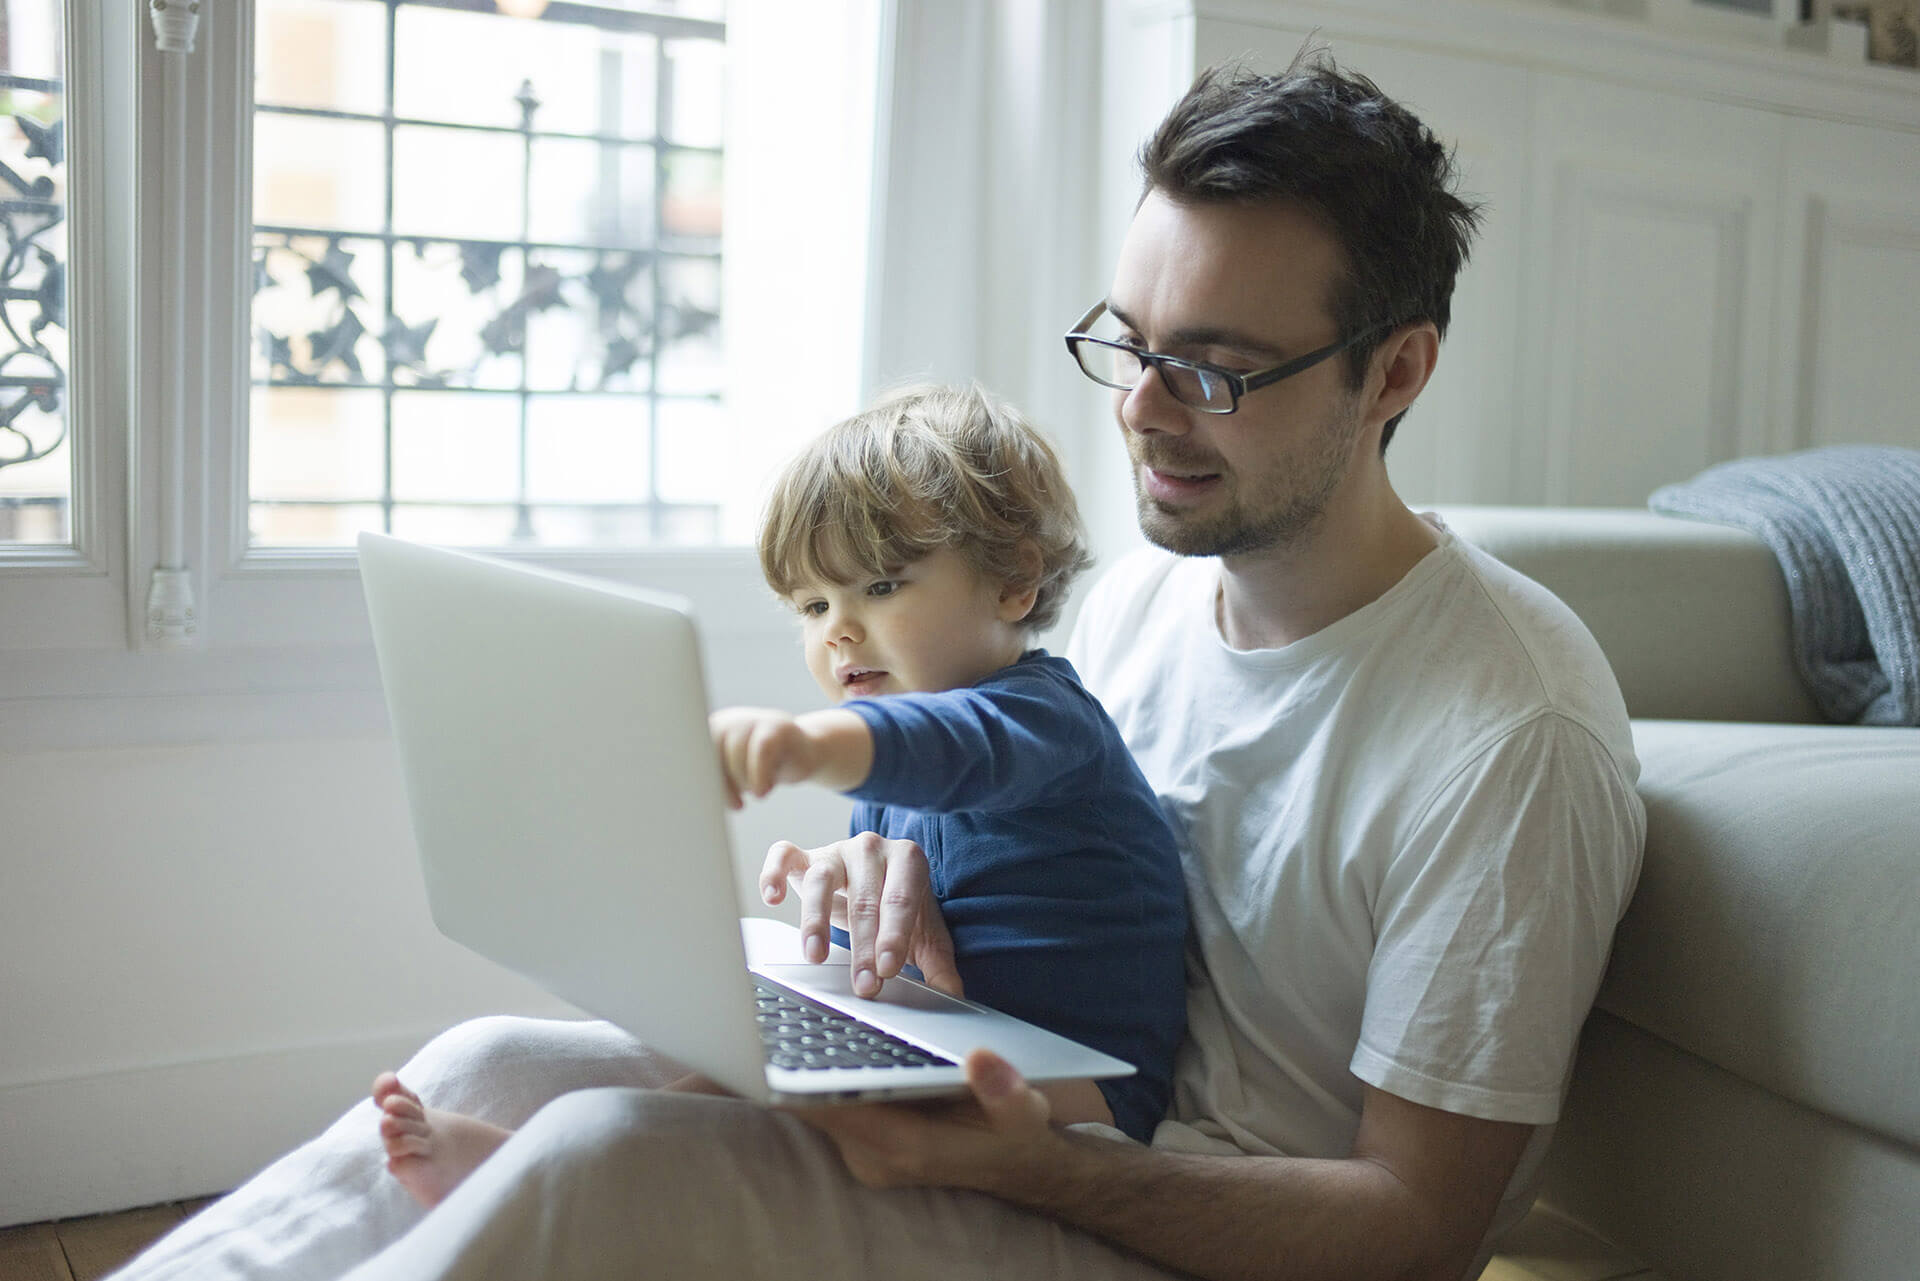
[[387, 1086], [391, 1125], [404, 1106], [404, 1145]]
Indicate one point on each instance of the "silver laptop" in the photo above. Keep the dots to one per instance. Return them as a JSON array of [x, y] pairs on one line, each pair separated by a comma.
[[569, 810]]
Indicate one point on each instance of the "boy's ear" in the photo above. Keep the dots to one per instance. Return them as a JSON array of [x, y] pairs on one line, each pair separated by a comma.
[[1017, 595]]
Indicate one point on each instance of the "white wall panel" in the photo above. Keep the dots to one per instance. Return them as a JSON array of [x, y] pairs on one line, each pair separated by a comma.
[[1650, 284], [1846, 356], [1646, 335], [1862, 353]]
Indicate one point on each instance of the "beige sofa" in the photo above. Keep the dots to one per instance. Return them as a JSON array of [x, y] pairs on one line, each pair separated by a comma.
[[1746, 1105]]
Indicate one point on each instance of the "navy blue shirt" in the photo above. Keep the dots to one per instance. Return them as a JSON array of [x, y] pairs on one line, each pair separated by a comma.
[[1054, 865]]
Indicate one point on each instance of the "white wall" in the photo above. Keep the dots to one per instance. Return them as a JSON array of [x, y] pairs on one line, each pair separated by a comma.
[[209, 948]]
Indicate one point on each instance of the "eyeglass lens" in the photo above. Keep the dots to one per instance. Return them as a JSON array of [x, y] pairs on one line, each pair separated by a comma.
[[1120, 366]]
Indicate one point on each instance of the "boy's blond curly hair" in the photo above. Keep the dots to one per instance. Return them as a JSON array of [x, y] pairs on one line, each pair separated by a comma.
[[925, 468]]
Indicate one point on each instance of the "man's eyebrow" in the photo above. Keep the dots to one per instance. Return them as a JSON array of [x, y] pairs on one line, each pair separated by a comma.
[[1207, 336]]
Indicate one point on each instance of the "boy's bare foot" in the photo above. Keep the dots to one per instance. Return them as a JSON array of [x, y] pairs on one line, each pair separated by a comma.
[[428, 1150]]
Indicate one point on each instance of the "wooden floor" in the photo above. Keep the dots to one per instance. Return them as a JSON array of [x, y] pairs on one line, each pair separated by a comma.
[[86, 1249], [1544, 1248]]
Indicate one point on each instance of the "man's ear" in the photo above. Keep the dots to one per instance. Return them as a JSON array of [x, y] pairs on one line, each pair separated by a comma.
[[1018, 594], [1406, 360]]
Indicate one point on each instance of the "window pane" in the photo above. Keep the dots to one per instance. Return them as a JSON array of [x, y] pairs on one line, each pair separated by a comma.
[[690, 356], [315, 300], [36, 455], [588, 449], [328, 54], [318, 173], [478, 244], [449, 446], [696, 75], [449, 298], [320, 445], [591, 192]]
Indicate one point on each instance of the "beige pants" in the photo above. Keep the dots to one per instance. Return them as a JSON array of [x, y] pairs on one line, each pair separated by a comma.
[[604, 1178]]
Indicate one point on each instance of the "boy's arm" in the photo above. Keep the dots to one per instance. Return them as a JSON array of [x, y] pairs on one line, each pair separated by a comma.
[[987, 747], [760, 749]]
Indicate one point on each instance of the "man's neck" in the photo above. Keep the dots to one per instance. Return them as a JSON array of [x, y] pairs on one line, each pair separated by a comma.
[[1357, 551]]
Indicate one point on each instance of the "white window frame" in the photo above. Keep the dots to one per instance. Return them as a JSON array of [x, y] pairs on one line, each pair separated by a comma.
[[68, 597]]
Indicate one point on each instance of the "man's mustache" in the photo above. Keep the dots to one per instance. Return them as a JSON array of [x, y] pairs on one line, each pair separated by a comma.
[[1178, 461]]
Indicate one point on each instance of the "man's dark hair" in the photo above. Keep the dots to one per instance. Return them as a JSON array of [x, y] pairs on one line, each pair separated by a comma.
[[1365, 165]]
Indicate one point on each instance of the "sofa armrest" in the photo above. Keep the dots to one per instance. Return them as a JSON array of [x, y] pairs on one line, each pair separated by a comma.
[[1692, 616]]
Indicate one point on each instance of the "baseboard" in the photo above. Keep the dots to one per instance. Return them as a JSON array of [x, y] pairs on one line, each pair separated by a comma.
[[91, 1144]]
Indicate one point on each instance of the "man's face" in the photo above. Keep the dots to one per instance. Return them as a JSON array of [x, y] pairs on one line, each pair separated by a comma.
[[1244, 287]]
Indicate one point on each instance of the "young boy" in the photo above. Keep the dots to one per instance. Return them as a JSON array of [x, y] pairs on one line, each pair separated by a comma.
[[922, 543]]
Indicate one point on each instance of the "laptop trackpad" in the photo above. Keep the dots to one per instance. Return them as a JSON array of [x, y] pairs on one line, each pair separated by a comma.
[[832, 982]]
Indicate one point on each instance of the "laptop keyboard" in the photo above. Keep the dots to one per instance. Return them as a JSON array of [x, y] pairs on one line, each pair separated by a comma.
[[799, 1034]]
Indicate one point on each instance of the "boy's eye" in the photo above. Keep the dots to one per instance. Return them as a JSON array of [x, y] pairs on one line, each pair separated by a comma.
[[814, 608], [885, 587]]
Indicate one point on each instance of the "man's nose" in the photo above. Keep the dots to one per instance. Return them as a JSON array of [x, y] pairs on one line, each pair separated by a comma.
[[1150, 407]]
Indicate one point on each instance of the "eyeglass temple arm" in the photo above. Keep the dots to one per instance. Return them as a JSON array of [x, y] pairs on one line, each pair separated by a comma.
[[1085, 322], [1268, 377]]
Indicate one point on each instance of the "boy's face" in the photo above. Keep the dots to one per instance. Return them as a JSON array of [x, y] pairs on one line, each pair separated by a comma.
[[932, 625]]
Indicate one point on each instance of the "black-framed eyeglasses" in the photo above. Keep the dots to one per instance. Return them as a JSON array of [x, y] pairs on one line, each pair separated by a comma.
[[1207, 388]]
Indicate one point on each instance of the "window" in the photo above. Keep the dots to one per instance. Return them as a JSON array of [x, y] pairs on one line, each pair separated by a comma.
[[232, 396]]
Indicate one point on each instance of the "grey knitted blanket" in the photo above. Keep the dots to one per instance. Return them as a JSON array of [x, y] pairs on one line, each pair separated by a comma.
[[1845, 523]]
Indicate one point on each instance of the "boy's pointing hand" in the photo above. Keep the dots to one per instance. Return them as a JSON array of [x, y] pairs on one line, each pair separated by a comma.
[[761, 748]]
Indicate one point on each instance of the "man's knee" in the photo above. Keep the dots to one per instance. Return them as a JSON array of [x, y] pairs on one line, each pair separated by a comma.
[[476, 1046], [675, 1143]]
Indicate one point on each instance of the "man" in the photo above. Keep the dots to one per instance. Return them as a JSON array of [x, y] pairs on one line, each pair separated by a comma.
[[1402, 775]]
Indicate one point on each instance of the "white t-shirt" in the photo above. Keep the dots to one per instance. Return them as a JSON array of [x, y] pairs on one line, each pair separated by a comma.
[[1407, 840]]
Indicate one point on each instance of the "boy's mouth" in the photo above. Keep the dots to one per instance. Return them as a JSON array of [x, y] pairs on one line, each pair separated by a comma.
[[860, 680]]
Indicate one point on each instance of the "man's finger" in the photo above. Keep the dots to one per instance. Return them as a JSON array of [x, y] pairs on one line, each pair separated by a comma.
[[825, 876], [866, 885], [905, 889], [784, 860], [933, 951]]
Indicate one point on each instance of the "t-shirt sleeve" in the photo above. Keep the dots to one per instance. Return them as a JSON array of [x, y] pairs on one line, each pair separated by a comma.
[[1001, 745], [1493, 924]]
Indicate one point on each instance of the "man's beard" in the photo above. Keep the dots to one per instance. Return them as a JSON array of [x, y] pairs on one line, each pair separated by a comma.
[[1288, 511]]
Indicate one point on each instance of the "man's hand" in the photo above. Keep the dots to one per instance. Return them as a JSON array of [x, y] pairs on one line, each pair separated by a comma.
[[1004, 1127], [880, 893], [761, 748]]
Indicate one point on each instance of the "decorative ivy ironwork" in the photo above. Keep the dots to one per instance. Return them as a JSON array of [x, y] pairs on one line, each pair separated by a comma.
[[33, 280], [359, 329]]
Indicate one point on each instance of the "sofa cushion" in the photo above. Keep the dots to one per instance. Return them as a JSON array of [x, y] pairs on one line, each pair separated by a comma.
[[1776, 928], [1692, 616]]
